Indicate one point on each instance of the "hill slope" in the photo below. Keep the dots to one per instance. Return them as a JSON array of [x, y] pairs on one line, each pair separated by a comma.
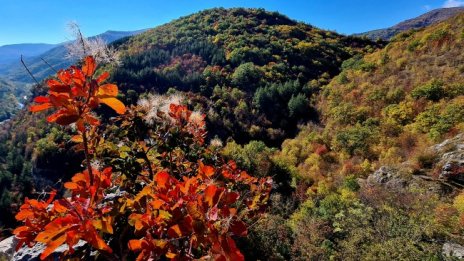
[[257, 69], [387, 106], [370, 169], [429, 18]]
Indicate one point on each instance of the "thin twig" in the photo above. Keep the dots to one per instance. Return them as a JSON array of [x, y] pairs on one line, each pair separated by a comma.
[[81, 38], [22, 61], [51, 67]]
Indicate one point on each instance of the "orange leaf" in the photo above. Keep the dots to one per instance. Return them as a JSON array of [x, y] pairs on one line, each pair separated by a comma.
[[104, 224], [170, 255], [135, 244], [108, 90], [52, 246], [115, 104], [157, 203], [24, 213], [103, 77], [89, 66], [210, 193], [40, 107], [94, 239], [71, 185], [59, 207], [77, 138], [208, 171]]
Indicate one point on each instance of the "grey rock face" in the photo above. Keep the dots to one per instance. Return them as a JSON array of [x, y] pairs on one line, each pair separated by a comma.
[[453, 250], [387, 176], [452, 159], [7, 250]]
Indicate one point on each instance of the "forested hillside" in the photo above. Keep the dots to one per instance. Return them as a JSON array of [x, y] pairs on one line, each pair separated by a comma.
[[10, 97], [258, 70], [363, 140], [369, 170]]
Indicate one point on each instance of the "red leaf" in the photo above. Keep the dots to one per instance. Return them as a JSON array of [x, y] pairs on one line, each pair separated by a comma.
[[60, 88], [41, 99], [162, 179], [89, 66], [66, 119], [239, 228], [92, 120], [40, 107], [174, 231], [230, 198], [103, 77]]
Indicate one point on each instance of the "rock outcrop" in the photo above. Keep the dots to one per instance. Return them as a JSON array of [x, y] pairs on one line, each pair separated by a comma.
[[453, 250], [7, 250], [451, 161]]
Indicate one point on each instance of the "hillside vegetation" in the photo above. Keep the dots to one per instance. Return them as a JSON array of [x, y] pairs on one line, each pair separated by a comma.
[[9, 99], [386, 109], [257, 69]]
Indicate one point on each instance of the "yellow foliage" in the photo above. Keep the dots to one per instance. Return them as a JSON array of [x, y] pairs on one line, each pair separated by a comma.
[[458, 202]]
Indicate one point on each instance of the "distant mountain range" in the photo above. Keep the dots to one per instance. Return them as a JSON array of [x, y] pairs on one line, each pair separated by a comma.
[[422, 21], [9, 53], [11, 68]]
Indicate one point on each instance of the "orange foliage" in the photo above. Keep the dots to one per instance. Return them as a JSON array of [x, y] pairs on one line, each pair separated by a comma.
[[172, 215]]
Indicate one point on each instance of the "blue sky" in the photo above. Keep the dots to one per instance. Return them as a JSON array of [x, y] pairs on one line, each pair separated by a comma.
[[33, 21]]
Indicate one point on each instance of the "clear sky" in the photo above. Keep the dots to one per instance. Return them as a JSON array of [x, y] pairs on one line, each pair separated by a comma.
[[44, 21]]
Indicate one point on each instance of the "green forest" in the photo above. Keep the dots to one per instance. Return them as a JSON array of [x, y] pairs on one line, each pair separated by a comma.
[[362, 139]]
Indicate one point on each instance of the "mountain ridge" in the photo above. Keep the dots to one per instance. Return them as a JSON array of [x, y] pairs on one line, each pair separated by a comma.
[[424, 20], [10, 52], [15, 72]]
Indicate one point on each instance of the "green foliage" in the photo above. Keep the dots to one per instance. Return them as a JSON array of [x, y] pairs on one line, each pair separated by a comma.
[[298, 106], [352, 226], [254, 157], [248, 49], [431, 91], [246, 76], [355, 140], [414, 45], [9, 94]]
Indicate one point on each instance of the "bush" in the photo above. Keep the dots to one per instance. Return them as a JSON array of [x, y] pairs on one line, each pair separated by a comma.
[[432, 91]]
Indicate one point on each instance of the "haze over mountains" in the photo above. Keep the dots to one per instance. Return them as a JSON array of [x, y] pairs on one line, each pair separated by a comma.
[[12, 70], [10, 53]]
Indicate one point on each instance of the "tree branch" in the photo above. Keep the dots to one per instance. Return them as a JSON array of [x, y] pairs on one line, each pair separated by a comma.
[[22, 61]]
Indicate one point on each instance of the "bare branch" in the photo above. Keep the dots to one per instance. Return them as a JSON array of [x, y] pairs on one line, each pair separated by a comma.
[[51, 67], [22, 61]]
